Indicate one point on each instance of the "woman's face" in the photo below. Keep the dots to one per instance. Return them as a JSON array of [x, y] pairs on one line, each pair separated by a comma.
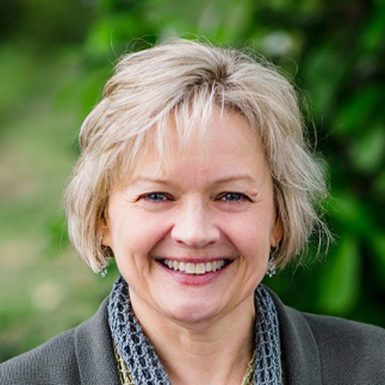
[[192, 235]]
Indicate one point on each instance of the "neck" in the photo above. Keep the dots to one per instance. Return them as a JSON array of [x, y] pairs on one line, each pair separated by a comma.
[[209, 352]]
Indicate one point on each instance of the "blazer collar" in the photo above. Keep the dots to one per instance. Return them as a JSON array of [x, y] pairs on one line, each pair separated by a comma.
[[300, 355], [94, 351]]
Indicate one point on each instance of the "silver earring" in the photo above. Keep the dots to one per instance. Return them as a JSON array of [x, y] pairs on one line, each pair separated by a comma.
[[271, 264], [108, 254], [103, 271], [271, 267]]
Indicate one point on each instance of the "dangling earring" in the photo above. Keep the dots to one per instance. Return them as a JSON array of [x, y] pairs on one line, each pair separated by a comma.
[[108, 255], [107, 251], [271, 264], [103, 271], [271, 267]]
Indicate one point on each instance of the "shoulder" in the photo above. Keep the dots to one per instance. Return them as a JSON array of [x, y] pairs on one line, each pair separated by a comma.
[[83, 355], [337, 333], [44, 365], [349, 345], [331, 350]]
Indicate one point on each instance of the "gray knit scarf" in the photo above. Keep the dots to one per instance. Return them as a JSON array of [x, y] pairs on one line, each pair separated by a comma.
[[144, 364]]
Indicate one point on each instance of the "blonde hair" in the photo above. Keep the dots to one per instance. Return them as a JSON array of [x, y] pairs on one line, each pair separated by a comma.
[[186, 80]]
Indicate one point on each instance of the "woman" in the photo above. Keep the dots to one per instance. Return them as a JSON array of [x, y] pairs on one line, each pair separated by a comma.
[[194, 175]]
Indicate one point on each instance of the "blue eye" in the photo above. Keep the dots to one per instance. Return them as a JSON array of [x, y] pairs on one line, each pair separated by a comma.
[[233, 197], [156, 196]]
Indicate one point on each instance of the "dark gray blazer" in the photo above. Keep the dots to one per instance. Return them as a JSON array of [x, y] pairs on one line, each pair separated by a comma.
[[316, 350]]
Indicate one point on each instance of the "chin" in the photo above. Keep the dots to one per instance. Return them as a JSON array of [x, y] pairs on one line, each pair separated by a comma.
[[192, 312], [189, 316]]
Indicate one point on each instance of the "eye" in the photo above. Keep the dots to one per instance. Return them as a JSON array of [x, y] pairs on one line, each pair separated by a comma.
[[155, 197], [233, 197]]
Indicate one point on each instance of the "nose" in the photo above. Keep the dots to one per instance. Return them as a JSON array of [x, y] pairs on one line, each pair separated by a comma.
[[194, 226]]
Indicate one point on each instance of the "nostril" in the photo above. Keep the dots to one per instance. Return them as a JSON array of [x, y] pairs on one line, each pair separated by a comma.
[[194, 226], [196, 238]]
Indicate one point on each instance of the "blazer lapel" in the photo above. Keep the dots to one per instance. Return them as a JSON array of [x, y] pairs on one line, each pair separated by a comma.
[[301, 361], [94, 351], [300, 354]]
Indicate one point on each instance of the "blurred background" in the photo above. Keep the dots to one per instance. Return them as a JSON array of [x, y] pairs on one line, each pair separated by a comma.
[[54, 59]]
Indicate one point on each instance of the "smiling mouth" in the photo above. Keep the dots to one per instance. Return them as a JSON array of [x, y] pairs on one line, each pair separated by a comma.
[[195, 268]]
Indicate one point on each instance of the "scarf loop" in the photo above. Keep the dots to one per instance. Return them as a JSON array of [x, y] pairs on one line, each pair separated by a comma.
[[144, 364]]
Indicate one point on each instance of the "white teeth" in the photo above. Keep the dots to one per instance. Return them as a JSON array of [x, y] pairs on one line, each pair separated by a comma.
[[200, 268], [190, 268], [194, 268]]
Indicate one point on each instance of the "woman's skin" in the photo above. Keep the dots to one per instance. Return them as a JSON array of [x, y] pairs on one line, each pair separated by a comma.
[[210, 209]]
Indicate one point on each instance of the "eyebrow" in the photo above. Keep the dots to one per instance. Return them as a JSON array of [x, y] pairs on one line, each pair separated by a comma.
[[231, 178], [141, 178]]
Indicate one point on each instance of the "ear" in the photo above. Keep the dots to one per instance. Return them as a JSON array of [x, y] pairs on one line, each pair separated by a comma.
[[276, 233], [106, 236], [105, 230]]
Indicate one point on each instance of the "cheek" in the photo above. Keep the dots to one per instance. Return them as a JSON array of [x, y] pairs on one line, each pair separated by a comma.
[[135, 234], [132, 242], [249, 235]]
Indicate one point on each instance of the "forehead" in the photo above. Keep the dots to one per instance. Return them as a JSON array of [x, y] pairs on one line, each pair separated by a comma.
[[193, 135], [225, 144]]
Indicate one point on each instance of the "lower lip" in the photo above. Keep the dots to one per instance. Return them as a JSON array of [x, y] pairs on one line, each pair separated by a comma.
[[194, 279]]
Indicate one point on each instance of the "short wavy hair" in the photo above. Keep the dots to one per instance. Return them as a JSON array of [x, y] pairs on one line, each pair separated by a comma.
[[185, 80]]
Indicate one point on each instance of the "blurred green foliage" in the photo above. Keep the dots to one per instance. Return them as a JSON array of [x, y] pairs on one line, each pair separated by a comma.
[[55, 58]]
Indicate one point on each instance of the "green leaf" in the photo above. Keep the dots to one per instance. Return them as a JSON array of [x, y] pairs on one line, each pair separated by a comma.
[[357, 112], [378, 247], [373, 34], [98, 42], [349, 213], [323, 72], [368, 151], [379, 184], [339, 283]]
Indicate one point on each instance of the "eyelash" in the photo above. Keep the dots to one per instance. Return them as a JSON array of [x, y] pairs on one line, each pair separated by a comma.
[[241, 197], [147, 197], [154, 197]]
